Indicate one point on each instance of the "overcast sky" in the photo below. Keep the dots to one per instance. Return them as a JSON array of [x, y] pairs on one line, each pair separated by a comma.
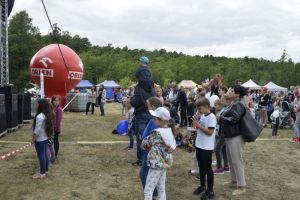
[[233, 28]]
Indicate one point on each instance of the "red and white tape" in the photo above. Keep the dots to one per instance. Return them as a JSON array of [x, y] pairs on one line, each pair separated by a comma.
[[14, 152]]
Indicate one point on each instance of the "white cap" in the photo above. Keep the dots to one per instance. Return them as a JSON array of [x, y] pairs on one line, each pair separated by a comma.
[[161, 113]]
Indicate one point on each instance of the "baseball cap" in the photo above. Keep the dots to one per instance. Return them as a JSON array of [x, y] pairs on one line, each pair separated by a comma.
[[144, 59], [161, 113]]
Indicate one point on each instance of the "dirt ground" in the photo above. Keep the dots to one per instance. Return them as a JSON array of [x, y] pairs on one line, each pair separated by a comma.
[[104, 172]]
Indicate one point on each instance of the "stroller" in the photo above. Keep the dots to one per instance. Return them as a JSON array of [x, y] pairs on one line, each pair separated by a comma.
[[285, 119]]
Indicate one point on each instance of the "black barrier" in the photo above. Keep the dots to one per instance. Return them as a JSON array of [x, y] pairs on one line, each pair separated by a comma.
[[20, 109], [3, 124], [27, 107], [11, 101]]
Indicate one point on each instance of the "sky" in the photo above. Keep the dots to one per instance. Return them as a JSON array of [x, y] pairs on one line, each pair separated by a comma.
[[231, 28]]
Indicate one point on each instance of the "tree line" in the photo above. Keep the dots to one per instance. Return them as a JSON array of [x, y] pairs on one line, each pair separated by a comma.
[[115, 63]]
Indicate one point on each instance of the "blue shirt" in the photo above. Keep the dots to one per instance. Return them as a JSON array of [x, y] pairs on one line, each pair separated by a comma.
[[149, 128]]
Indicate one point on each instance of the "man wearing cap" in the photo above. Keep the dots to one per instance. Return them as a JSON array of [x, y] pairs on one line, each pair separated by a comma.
[[143, 91], [143, 74]]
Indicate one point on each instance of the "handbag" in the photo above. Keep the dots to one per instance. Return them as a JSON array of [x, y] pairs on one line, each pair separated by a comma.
[[249, 127]]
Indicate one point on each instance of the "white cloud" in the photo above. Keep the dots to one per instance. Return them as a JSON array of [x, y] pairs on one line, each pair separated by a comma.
[[234, 28]]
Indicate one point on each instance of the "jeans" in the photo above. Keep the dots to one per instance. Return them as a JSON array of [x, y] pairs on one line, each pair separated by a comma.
[[88, 104], [144, 171], [204, 158], [297, 129], [220, 151], [51, 153], [131, 140], [42, 150], [101, 105], [140, 122]]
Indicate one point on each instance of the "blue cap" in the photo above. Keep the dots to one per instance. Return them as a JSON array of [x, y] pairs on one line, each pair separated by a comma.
[[144, 59]]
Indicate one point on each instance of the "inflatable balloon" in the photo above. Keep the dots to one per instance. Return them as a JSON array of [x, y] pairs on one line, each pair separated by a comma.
[[60, 75], [122, 127]]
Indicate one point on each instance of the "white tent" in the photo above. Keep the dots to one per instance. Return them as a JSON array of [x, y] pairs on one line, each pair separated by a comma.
[[272, 87], [251, 85]]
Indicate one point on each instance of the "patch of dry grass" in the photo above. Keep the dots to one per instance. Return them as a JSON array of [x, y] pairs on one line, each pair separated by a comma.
[[104, 172]]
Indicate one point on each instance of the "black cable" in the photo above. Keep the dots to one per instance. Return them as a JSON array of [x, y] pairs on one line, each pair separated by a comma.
[[55, 37]]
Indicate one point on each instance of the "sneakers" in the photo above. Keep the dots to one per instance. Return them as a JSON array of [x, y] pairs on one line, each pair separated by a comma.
[[199, 190], [214, 162], [39, 176], [207, 195], [219, 171], [238, 191], [226, 169]]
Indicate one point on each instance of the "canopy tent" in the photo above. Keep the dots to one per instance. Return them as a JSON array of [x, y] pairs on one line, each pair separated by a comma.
[[251, 85], [272, 87], [187, 84], [84, 84], [109, 86]]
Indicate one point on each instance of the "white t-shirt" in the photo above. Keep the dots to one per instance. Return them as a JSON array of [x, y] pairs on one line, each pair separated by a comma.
[[39, 130], [168, 137], [204, 141]]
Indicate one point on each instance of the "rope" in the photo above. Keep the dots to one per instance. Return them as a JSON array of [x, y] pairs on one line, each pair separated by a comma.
[[55, 37]]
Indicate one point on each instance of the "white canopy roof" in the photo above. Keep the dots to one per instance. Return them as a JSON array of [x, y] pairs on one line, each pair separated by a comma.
[[274, 88], [251, 85]]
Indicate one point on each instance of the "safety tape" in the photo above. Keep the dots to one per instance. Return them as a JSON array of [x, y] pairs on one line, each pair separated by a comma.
[[14, 152]]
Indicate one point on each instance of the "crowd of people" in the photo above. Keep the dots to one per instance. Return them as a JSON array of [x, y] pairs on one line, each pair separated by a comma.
[[157, 116], [215, 112]]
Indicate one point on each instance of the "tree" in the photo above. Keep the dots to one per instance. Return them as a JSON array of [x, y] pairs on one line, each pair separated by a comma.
[[24, 40]]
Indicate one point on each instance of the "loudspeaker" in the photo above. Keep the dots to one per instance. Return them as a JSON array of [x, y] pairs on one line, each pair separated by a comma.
[[3, 124], [11, 101], [20, 109], [27, 107]]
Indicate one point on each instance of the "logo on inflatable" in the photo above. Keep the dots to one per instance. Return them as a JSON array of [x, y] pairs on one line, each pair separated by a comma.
[[62, 70]]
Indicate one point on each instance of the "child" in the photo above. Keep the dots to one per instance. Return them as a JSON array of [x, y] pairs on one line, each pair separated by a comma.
[[161, 143], [251, 108], [55, 101], [143, 75], [153, 103], [275, 121], [43, 125], [159, 94], [129, 118], [220, 148], [190, 110], [124, 103], [204, 147]]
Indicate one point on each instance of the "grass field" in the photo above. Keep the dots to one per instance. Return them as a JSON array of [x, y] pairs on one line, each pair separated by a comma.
[[104, 172]]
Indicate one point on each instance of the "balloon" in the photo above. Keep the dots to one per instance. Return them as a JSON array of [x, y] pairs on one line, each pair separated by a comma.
[[122, 127], [59, 77]]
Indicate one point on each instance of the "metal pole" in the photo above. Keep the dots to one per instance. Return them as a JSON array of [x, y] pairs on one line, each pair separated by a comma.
[[4, 65]]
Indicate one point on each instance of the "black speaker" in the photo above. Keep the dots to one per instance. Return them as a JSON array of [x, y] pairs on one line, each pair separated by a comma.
[[11, 101], [20, 109], [3, 124], [27, 107]]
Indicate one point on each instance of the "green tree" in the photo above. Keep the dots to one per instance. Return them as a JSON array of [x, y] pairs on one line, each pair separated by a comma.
[[24, 40]]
